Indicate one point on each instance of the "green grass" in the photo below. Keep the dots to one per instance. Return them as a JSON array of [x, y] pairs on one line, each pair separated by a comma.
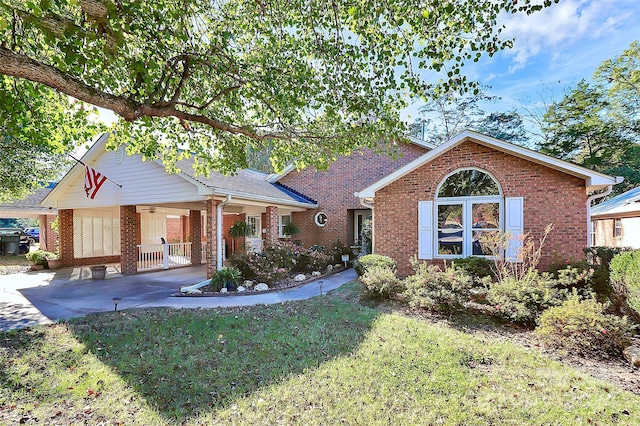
[[328, 360]]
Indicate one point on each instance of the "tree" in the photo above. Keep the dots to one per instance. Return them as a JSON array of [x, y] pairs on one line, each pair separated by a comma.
[[581, 129], [446, 115], [37, 128], [622, 77], [307, 79]]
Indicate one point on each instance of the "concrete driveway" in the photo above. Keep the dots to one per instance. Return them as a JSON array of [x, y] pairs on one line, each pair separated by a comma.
[[42, 297]]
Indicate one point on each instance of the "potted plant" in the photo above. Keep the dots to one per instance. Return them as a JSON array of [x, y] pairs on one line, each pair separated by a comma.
[[240, 229], [54, 262], [290, 229], [227, 277], [39, 258], [98, 272]]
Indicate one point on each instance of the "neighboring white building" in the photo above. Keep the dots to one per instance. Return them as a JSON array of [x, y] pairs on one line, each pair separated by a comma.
[[616, 222]]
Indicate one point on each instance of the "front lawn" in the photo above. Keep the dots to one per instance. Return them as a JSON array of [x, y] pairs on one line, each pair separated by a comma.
[[328, 360]]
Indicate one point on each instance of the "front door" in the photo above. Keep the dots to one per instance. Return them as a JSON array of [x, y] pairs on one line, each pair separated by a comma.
[[359, 216], [254, 241]]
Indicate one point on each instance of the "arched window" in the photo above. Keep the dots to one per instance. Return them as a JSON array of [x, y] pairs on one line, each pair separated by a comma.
[[468, 207]]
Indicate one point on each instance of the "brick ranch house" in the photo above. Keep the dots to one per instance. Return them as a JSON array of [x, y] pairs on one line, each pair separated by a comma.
[[439, 205], [523, 190], [616, 222]]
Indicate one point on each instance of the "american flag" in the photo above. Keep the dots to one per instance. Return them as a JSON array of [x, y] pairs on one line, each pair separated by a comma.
[[92, 181]]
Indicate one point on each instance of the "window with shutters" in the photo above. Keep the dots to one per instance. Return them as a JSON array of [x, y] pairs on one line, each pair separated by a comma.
[[468, 206]]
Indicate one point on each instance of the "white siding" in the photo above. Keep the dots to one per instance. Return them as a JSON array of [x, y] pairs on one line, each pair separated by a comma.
[[143, 182]]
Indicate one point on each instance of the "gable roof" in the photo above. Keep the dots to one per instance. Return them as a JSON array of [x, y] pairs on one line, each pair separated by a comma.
[[248, 185], [275, 177], [624, 203], [594, 180]]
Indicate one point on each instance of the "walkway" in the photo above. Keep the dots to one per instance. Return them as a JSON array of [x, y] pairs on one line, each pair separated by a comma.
[[44, 297]]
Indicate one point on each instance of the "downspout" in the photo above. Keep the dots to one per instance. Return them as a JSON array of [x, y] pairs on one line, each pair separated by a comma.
[[219, 231], [589, 201]]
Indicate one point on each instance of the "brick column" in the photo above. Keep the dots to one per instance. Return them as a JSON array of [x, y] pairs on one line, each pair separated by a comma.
[[184, 225], [271, 225], [212, 238], [195, 233], [128, 240], [65, 222]]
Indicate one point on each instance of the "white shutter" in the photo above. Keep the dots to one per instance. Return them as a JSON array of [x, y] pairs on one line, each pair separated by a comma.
[[425, 229], [514, 225]]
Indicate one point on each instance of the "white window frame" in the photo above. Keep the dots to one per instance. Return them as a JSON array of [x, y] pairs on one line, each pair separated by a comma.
[[617, 228], [281, 225], [593, 233], [467, 203]]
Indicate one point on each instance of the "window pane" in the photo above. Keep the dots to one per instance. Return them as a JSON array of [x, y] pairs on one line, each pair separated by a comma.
[[450, 242], [479, 243], [486, 215], [468, 183], [450, 216]]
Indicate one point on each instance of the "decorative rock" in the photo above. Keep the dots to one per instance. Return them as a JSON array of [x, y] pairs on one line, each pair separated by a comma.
[[261, 287], [241, 289], [316, 274], [247, 284], [223, 290], [329, 268], [194, 291], [632, 354], [338, 266], [300, 277]]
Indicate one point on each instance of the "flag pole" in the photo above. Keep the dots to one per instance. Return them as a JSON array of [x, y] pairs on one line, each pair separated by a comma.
[[115, 183]]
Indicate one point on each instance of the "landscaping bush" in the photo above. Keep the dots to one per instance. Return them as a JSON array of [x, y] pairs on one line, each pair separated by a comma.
[[315, 260], [574, 276], [370, 260], [226, 277], [381, 282], [40, 257], [599, 259], [273, 265], [477, 267], [523, 300], [581, 327], [338, 249], [432, 288], [625, 282]]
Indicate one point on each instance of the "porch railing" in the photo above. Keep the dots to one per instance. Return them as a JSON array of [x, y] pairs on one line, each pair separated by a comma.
[[163, 256]]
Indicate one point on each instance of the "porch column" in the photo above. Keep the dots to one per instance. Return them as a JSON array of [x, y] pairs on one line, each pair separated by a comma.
[[271, 225], [212, 237], [128, 240], [65, 223], [195, 233]]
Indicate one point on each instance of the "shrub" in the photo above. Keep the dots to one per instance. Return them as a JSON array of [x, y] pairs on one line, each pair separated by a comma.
[[315, 260], [338, 249], [573, 276], [432, 288], [381, 282], [40, 257], [625, 281], [581, 327], [523, 300], [370, 260], [599, 259], [273, 265], [226, 277], [477, 267], [366, 242]]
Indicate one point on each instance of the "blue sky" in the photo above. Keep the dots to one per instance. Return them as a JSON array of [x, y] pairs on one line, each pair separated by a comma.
[[554, 49]]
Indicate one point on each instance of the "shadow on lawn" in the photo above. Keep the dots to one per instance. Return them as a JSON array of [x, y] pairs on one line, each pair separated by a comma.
[[189, 361]]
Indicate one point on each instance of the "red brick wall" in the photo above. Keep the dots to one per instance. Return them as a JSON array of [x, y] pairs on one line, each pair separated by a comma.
[[195, 234], [228, 220], [129, 230], [175, 229], [549, 197], [271, 225], [65, 223], [48, 237], [333, 190]]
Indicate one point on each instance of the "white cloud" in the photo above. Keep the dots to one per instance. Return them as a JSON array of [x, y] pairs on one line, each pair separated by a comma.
[[558, 28]]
